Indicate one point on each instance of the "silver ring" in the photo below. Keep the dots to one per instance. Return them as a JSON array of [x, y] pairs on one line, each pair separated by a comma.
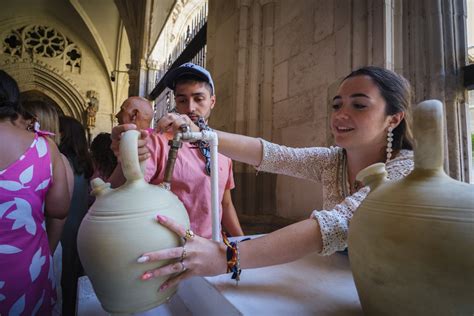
[[183, 254], [184, 267]]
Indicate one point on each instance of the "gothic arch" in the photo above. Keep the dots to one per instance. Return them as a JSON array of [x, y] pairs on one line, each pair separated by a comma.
[[36, 75]]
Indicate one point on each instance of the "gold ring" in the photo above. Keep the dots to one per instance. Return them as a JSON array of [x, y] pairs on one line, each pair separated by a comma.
[[189, 235], [183, 254]]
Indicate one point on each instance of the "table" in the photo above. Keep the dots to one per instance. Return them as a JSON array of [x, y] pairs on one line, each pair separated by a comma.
[[313, 285]]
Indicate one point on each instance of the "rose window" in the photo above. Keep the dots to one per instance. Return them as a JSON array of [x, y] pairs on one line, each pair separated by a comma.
[[42, 41]]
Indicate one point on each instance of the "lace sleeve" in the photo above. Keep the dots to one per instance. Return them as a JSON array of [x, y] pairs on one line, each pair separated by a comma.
[[334, 223], [306, 163]]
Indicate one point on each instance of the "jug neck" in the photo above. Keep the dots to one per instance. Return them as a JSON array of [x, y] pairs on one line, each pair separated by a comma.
[[428, 134]]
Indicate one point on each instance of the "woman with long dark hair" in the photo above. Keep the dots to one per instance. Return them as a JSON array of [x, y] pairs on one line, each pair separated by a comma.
[[74, 146]]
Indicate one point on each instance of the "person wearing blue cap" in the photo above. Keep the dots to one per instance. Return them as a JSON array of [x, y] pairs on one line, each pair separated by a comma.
[[193, 88], [370, 122]]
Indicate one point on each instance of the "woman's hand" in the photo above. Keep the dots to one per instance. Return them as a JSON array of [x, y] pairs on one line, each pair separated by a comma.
[[116, 135], [198, 256], [171, 122]]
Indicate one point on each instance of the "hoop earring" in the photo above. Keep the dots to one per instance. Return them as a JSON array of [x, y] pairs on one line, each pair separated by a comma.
[[389, 143]]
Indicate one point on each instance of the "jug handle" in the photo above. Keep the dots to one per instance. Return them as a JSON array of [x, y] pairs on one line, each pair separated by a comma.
[[131, 167]]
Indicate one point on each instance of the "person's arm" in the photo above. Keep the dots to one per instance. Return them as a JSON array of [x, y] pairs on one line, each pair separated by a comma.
[[58, 197], [240, 147], [54, 226], [230, 221], [237, 147], [206, 258], [284, 245]]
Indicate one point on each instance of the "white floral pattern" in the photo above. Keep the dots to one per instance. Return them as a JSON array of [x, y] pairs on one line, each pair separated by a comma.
[[25, 259], [37, 263], [41, 147], [7, 249], [22, 216], [325, 165], [2, 297], [5, 206], [38, 305], [18, 307]]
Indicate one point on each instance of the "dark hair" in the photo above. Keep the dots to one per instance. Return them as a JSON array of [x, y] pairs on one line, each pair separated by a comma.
[[396, 91], [10, 105], [74, 145], [102, 156], [190, 78]]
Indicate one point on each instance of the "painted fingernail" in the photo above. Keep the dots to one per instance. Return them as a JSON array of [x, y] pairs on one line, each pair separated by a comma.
[[143, 259], [147, 276], [160, 218], [164, 286]]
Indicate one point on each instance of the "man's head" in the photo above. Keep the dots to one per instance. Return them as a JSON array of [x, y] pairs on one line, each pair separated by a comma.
[[136, 110], [193, 90]]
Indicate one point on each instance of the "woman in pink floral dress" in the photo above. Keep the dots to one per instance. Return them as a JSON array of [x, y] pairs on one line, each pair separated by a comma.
[[32, 184]]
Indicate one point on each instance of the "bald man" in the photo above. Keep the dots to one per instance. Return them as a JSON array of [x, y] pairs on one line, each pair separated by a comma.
[[136, 110]]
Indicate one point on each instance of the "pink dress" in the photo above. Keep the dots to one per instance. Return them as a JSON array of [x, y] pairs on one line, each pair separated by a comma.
[[26, 271]]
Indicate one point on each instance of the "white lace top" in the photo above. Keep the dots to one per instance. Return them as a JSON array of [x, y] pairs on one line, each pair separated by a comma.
[[326, 166]]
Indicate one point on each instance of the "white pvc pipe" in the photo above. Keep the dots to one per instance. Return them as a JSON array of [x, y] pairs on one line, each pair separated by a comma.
[[210, 137]]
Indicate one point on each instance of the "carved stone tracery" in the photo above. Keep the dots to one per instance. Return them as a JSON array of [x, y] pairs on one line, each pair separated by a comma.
[[42, 41]]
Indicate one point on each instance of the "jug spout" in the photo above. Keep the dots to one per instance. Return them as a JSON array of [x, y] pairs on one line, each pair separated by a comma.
[[99, 187], [373, 175]]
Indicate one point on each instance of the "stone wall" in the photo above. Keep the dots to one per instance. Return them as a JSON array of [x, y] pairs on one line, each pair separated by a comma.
[[277, 65]]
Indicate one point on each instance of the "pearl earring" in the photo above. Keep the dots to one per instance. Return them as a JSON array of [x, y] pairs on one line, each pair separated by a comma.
[[389, 143]]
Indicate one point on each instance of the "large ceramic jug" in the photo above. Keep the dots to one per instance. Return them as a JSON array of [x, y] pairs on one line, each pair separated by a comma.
[[119, 227], [411, 242]]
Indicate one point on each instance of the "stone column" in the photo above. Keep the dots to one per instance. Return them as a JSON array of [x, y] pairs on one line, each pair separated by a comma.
[[434, 50], [252, 92], [241, 70], [254, 64], [266, 90], [136, 19]]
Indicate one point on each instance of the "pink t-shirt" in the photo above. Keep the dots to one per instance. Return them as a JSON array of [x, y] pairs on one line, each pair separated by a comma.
[[190, 182]]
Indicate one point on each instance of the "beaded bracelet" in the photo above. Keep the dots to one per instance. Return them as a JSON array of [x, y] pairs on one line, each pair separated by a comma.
[[233, 260], [233, 257]]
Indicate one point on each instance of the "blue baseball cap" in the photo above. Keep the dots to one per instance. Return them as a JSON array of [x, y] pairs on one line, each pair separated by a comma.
[[188, 69]]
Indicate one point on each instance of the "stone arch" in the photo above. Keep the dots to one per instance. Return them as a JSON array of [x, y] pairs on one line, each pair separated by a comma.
[[38, 76], [38, 96]]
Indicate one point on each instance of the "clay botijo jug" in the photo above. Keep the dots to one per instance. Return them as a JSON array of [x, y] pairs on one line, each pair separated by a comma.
[[119, 227], [411, 242]]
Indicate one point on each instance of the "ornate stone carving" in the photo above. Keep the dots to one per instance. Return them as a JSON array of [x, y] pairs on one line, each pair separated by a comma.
[[35, 74], [92, 108], [33, 41]]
